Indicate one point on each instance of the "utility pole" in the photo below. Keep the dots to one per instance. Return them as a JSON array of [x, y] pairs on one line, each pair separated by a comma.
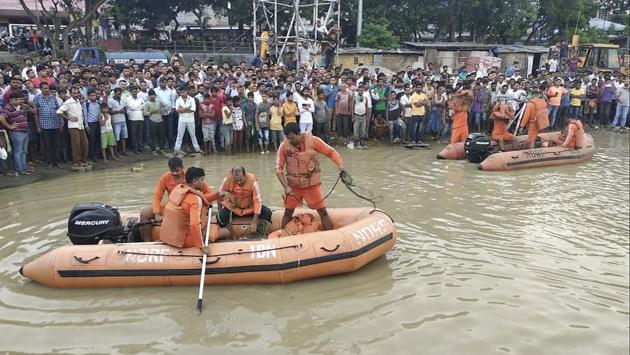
[[359, 21]]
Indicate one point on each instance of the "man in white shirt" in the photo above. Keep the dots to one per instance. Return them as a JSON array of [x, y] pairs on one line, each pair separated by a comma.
[[553, 65], [72, 111], [117, 109], [307, 108], [185, 106], [166, 97], [135, 104], [28, 65], [520, 96], [359, 117]]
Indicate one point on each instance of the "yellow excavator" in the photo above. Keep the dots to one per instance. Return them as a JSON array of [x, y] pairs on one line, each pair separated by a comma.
[[605, 57]]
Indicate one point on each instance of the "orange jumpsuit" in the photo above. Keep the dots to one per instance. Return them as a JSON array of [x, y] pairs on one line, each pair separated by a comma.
[[196, 212], [501, 114], [574, 135], [460, 117], [167, 183], [313, 194], [533, 118]]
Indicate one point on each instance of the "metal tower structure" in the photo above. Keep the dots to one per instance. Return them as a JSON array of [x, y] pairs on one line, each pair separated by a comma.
[[284, 25]]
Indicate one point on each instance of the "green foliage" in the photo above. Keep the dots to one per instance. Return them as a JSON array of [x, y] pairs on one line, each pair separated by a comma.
[[503, 21], [378, 36], [594, 35]]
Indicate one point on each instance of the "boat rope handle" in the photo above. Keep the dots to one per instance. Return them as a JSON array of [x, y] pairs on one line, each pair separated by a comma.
[[211, 262], [180, 254], [80, 259], [329, 250]]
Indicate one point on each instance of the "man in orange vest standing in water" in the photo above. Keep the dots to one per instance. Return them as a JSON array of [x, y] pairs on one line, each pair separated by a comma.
[[241, 197], [300, 153]]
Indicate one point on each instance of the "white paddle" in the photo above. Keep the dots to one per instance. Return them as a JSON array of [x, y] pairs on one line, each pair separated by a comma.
[[203, 263]]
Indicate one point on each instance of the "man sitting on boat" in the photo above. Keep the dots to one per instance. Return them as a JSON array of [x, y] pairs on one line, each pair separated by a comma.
[[573, 135], [241, 198], [185, 214], [300, 153], [168, 181]]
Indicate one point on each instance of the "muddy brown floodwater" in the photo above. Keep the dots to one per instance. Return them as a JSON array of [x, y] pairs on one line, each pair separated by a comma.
[[532, 262]]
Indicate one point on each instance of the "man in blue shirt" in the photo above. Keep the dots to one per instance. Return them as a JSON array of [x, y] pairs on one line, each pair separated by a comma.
[[91, 111], [330, 90], [249, 117], [50, 124]]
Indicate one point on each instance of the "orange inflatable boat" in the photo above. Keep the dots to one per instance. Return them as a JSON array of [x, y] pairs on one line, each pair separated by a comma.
[[517, 157], [538, 157], [360, 235], [457, 151]]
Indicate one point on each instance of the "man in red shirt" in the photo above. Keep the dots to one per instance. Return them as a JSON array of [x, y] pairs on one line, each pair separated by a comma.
[[43, 76]]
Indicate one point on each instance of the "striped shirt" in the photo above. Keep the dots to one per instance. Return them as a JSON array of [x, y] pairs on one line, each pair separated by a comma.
[[15, 116], [47, 108]]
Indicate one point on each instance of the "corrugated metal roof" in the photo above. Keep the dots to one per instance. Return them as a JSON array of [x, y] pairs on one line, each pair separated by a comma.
[[503, 48], [363, 50], [605, 25]]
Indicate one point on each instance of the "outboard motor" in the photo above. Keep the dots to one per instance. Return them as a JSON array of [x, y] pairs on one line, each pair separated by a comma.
[[90, 223], [478, 147]]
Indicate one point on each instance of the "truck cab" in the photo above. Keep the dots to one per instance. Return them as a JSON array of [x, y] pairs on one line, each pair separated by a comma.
[[94, 56], [88, 56], [604, 57]]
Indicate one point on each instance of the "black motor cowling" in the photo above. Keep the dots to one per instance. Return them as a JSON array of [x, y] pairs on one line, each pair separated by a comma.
[[478, 147], [90, 223]]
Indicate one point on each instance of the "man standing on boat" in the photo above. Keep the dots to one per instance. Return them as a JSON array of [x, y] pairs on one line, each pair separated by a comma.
[[300, 153]]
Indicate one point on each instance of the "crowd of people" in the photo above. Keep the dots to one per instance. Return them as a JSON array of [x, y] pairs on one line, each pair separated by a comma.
[[62, 113]]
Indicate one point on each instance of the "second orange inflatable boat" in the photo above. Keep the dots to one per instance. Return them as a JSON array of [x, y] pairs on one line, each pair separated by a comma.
[[360, 235]]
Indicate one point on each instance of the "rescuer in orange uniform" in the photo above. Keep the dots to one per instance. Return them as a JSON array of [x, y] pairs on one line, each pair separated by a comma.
[[502, 113], [573, 135], [535, 118], [460, 103], [185, 214], [241, 197], [168, 181], [300, 153]]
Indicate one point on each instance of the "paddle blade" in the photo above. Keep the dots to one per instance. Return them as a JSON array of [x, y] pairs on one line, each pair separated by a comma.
[[199, 305]]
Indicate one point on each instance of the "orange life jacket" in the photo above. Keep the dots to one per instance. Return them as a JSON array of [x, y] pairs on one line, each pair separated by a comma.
[[460, 102], [176, 224], [541, 117], [240, 200], [578, 139], [302, 165], [303, 223], [502, 111]]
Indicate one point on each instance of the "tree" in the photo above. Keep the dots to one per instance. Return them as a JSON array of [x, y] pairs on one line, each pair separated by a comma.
[[150, 14], [378, 36], [53, 14], [199, 9]]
